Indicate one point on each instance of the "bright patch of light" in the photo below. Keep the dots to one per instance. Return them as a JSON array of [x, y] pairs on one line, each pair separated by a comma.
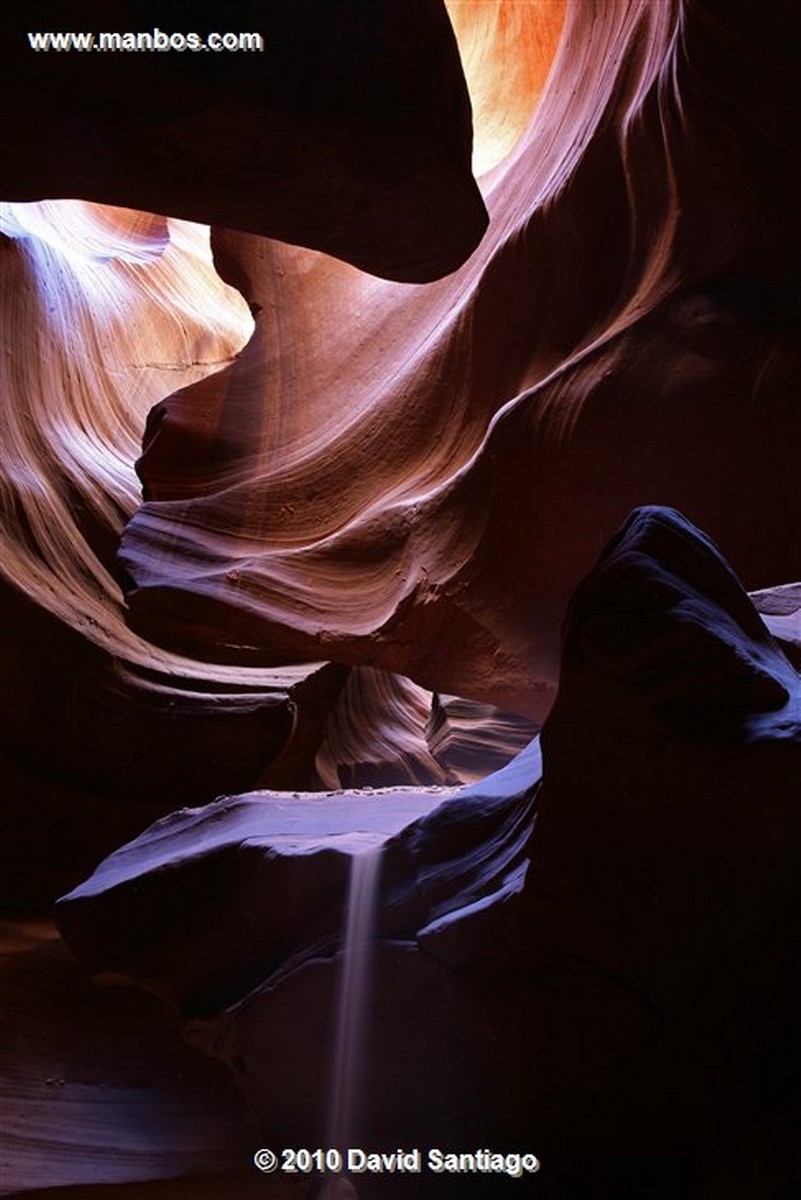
[[507, 48]]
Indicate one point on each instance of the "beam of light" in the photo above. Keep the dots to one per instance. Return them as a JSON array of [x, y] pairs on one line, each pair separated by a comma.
[[102, 312]]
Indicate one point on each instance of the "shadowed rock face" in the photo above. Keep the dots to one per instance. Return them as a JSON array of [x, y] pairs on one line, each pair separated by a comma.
[[105, 310], [672, 753], [622, 967], [348, 131], [406, 480], [359, 511], [417, 479]]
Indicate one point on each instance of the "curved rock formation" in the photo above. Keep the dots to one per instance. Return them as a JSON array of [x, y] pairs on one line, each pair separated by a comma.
[[105, 310], [619, 972], [416, 479], [410, 479], [101, 730], [363, 503], [95, 1087], [349, 130]]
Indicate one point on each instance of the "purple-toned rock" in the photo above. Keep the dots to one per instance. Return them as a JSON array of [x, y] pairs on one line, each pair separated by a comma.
[[669, 827], [345, 127], [618, 973], [210, 902]]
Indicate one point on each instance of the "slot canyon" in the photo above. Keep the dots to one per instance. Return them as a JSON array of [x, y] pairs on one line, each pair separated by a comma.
[[401, 618]]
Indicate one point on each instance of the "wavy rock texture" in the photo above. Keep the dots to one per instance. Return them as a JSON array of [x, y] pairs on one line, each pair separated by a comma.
[[94, 1079], [104, 311], [780, 609], [612, 983], [350, 132], [416, 478], [367, 503], [411, 479], [100, 729]]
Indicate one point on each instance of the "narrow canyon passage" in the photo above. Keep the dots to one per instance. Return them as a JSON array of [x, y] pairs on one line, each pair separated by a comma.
[[421, 382]]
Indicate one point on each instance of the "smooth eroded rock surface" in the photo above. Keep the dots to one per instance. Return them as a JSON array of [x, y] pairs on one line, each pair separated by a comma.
[[618, 970], [348, 130]]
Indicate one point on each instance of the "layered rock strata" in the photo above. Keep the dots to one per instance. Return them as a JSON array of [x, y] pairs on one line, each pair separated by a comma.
[[577, 954]]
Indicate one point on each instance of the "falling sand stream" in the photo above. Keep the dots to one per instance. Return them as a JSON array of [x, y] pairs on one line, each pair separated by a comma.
[[351, 1012]]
